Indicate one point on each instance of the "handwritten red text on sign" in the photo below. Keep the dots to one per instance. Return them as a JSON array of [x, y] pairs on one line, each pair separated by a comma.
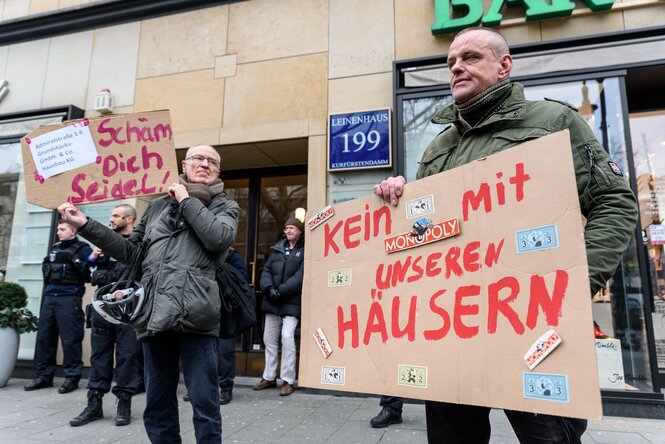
[[455, 308], [143, 166]]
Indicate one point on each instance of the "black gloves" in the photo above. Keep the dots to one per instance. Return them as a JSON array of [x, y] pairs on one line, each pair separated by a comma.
[[273, 295]]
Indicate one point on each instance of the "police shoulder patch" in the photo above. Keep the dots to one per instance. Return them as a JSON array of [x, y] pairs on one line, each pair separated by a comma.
[[615, 168], [562, 103]]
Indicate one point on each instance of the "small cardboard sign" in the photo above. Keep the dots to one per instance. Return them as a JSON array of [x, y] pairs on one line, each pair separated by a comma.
[[451, 320], [99, 159]]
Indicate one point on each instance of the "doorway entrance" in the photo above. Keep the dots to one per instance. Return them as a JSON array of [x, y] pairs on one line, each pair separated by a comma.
[[267, 198]]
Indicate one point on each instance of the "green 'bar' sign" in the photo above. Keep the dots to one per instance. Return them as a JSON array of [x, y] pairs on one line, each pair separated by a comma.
[[472, 11]]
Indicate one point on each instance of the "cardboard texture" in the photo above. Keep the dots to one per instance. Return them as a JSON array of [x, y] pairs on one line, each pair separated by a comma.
[[451, 320], [135, 156]]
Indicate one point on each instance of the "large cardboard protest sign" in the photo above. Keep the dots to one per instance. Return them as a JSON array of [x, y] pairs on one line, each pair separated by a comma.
[[473, 290], [98, 159]]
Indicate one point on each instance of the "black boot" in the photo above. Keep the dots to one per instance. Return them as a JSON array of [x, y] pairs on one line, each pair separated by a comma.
[[92, 412], [386, 417], [124, 415], [38, 383]]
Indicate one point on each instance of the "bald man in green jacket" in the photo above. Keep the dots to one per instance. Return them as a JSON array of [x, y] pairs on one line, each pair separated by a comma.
[[489, 115]]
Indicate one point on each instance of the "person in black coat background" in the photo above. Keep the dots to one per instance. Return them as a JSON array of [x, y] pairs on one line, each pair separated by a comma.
[[281, 286], [226, 348]]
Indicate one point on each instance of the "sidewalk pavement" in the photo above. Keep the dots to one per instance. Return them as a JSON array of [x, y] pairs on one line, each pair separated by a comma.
[[307, 416]]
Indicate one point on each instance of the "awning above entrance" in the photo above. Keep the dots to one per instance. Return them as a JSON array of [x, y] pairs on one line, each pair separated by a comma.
[[260, 154]]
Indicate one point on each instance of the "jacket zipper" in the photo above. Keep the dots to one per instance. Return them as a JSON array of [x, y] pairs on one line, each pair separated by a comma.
[[158, 274], [592, 166], [286, 259]]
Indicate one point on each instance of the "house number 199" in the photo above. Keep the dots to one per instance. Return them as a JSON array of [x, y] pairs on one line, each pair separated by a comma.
[[360, 140]]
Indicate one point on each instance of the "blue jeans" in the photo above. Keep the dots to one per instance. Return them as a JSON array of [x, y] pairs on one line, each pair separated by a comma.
[[227, 363], [162, 354]]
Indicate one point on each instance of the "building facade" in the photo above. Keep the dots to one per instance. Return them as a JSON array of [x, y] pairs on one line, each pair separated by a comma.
[[258, 80]]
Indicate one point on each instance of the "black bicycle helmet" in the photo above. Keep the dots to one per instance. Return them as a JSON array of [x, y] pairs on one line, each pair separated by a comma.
[[119, 302]]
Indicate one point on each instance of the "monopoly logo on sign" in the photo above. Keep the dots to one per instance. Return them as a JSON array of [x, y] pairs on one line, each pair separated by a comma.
[[541, 348], [359, 140], [320, 217], [322, 342], [469, 13], [423, 232]]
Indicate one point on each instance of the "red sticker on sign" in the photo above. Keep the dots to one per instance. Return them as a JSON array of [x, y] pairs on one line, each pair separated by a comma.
[[322, 342], [320, 217], [541, 348]]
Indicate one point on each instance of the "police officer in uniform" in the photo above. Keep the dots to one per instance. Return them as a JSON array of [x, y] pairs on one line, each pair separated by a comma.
[[65, 272], [106, 337]]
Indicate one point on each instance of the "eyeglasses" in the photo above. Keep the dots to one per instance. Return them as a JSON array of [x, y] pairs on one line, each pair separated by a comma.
[[198, 159]]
